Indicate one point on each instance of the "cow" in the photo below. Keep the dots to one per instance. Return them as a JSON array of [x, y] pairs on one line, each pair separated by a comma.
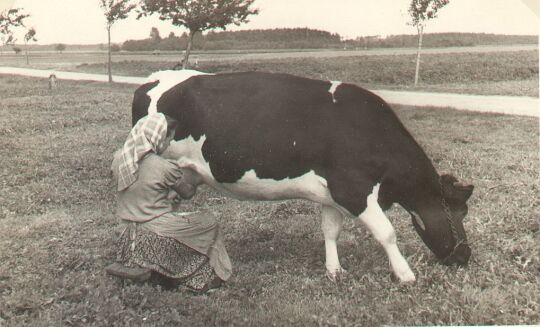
[[271, 136]]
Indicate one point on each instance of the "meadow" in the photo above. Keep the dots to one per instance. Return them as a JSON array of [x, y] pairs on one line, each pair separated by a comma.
[[503, 70], [512, 73], [57, 228]]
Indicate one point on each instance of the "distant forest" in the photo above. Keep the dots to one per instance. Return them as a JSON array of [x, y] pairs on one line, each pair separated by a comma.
[[289, 38], [304, 38], [436, 40], [295, 38]]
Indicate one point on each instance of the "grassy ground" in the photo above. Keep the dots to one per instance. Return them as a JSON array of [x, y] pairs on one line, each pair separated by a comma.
[[57, 229], [501, 73], [481, 70]]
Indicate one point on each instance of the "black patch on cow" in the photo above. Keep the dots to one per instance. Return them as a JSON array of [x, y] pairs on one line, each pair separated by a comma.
[[283, 126]]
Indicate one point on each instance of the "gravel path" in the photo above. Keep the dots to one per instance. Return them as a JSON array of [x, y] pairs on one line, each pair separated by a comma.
[[523, 106]]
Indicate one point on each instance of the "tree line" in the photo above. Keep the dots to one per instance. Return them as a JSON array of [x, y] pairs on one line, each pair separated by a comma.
[[437, 40], [305, 38], [282, 38]]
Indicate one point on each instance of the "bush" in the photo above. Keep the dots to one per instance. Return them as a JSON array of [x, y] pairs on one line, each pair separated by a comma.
[[60, 47]]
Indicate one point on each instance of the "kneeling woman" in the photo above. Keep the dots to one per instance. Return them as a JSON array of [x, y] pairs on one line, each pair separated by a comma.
[[187, 248]]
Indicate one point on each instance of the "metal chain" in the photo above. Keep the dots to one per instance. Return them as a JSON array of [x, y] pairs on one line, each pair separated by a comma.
[[446, 208]]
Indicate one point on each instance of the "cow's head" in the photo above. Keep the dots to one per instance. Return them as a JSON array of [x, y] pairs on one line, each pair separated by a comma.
[[439, 221]]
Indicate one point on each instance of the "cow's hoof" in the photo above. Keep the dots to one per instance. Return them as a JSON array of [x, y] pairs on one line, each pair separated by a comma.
[[405, 277], [336, 275]]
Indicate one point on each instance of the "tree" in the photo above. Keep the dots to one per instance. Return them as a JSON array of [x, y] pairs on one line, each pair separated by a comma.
[[199, 15], [114, 10], [154, 35], [10, 20], [60, 47], [421, 11], [29, 36], [17, 50]]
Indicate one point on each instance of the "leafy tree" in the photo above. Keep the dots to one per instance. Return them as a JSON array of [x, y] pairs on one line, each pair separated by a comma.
[[17, 50], [421, 11], [114, 10], [199, 15], [60, 47], [10, 20], [154, 35], [29, 36]]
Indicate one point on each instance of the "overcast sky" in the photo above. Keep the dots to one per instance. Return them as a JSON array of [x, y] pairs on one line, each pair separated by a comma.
[[83, 22]]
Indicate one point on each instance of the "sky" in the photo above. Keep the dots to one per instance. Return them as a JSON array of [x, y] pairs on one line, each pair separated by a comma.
[[83, 22]]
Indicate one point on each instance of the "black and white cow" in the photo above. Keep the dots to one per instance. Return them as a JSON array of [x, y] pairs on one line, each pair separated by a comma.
[[264, 136]]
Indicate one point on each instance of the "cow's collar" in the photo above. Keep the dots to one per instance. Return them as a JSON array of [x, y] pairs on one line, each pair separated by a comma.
[[457, 238]]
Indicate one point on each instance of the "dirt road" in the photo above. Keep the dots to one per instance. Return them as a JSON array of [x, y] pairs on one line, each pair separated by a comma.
[[524, 106]]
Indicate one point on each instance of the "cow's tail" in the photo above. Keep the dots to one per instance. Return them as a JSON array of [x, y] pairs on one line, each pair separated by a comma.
[[141, 102]]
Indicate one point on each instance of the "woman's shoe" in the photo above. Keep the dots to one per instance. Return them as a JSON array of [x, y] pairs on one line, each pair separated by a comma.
[[213, 284], [134, 273]]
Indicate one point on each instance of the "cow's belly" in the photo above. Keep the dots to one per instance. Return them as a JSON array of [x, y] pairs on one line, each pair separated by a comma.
[[309, 186], [188, 155]]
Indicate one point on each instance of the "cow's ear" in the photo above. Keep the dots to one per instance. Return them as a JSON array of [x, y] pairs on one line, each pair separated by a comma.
[[455, 190]]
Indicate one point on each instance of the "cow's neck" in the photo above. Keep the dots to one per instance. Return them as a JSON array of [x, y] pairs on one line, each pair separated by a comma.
[[418, 184]]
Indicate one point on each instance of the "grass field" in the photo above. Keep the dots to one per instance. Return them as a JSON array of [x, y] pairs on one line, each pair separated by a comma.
[[57, 229], [501, 73], [481, 70]]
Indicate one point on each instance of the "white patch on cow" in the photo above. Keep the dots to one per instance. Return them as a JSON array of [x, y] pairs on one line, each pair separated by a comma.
[[333, 87], [167, 79], [309, 186], [383, 231], [294, 143], [372, 201]]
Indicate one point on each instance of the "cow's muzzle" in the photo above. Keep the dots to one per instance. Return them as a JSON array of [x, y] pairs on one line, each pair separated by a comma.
[[460, 255]]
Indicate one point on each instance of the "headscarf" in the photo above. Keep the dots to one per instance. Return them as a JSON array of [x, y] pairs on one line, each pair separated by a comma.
[[148, 135]]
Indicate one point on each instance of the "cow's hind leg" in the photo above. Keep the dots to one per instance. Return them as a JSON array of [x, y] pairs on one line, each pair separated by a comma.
[[331, 224], [383, 231]]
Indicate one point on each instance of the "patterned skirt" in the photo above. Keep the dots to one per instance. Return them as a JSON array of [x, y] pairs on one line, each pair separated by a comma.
[[166, 256]]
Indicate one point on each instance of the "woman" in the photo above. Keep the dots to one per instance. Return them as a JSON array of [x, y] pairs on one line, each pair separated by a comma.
[[185, 247]]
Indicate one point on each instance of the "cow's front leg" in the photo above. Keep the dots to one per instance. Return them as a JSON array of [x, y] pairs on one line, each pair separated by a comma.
[[332, 222], [383, 231]]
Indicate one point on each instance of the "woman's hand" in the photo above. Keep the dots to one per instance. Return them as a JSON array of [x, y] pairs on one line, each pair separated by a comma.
[[184, 190]]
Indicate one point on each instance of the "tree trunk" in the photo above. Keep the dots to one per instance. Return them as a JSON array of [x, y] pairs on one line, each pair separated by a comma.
[[416, 73], [109, 53], [188, 49], [26, 51]]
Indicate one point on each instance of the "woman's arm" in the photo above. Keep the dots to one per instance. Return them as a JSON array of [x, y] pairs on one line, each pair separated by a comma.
[[174, 179]]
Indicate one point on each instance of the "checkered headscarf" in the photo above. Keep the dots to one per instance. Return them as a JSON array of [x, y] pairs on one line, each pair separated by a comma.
[[146, 136]]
